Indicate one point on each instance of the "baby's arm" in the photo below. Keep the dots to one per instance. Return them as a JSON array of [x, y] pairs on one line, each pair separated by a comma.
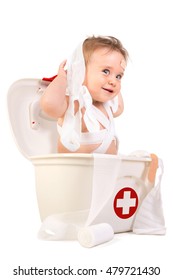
[[120, 106], [54, 101]]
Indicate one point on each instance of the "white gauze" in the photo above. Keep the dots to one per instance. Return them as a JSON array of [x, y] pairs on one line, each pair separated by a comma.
[[71, 129]]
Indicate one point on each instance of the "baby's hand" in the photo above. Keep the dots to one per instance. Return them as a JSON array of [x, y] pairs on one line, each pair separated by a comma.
[[61, 71]]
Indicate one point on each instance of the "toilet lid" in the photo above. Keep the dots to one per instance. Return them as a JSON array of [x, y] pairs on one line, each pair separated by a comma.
[[35, 133]]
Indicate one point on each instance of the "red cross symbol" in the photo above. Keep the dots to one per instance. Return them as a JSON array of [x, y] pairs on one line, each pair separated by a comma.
[[125, 203]]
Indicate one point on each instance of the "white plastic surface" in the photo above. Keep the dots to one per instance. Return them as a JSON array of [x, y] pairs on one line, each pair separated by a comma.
[[64, 181], [34, 133]]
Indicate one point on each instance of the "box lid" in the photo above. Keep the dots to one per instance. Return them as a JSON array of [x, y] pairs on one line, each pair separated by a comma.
[[35, 133]]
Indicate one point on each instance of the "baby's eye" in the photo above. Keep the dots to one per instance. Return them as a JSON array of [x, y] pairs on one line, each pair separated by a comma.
[[106, 71], [119, 77]]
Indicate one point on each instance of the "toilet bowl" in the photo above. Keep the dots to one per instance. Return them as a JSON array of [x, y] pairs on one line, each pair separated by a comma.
[[67, 183]]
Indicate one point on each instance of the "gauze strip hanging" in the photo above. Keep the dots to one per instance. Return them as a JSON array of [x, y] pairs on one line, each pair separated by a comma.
[[71, 128], [70, 131], [106, 172], [149, 218]]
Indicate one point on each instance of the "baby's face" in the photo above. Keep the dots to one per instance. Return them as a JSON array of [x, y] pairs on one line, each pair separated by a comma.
[[104, 72]]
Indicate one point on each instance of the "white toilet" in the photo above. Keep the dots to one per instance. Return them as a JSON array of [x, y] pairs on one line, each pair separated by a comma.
[[64, 182]]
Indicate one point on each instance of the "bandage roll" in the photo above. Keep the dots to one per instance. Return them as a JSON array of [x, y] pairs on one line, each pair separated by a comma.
[[94, 235]]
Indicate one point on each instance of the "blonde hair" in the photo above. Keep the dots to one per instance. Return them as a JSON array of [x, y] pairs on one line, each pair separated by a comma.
[[111, 43]]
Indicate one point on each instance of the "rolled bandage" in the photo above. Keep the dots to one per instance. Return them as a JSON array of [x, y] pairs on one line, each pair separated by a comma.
[[94, 235]]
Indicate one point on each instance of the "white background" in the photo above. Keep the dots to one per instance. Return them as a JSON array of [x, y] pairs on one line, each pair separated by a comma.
[[35, 37]]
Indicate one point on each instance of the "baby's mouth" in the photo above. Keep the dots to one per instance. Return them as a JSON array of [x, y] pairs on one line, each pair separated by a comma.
[[108, 90]]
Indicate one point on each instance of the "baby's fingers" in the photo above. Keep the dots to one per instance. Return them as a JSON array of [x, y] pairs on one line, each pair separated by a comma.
[[62, 64], [61, 70]]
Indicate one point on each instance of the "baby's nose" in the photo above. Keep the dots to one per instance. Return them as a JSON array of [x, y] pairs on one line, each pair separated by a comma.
[[112, 82]]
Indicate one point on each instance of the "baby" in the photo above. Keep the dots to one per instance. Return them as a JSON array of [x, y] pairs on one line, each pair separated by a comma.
[[86, 97]]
